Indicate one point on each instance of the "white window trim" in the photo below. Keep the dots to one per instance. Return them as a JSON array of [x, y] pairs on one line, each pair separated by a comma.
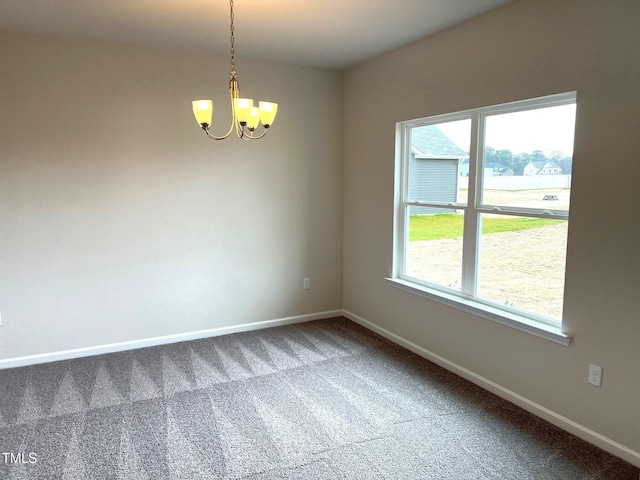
[[474, 307], [524, 321]]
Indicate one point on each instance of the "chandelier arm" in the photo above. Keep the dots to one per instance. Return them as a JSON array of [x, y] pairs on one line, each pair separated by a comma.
[[213, 137], [249, 136], [233, 122], [239, 130]]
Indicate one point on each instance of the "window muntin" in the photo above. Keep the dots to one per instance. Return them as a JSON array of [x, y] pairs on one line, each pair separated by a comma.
[[486, 260]]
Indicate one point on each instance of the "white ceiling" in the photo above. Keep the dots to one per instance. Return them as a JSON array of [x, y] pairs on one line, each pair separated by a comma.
[[326, 33]]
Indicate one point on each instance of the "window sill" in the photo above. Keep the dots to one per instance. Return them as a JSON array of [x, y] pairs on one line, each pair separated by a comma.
[[502, 317]]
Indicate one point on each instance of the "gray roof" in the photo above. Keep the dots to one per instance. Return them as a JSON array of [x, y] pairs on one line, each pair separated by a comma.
[[541, 165], [433, 143]]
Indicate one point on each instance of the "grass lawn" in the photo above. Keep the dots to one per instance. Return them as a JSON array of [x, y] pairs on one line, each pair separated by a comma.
[[450, 225]]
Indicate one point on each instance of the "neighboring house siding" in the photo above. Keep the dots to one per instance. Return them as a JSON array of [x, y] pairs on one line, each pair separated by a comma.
[[433, 168], [541, 168], [433, 180]]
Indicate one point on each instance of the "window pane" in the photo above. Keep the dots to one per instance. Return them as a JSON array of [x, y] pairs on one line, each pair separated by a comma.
[[434, 247], [439, 158], [522, 263], [528, 158]]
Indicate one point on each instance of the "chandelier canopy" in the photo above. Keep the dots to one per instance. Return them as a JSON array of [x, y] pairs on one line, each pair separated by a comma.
[[245, 117]]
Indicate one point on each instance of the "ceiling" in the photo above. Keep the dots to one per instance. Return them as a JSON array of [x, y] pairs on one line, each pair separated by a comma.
[[325, 33]]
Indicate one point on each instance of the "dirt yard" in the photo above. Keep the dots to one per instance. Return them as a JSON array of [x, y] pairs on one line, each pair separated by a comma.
[[529, 277]]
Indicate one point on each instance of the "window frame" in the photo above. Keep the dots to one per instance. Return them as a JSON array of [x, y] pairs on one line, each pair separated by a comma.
[[466, 298]]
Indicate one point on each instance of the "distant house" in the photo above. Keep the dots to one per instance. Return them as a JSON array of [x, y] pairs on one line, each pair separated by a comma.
[[434, 164], [496, 170], [491, 169], [542, 168]]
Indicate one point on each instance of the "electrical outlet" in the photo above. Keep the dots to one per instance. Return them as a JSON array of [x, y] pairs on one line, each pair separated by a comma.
[[595, 375], [306, 283]]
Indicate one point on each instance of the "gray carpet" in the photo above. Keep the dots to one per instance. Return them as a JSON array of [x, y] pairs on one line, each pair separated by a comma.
[[320, 400]]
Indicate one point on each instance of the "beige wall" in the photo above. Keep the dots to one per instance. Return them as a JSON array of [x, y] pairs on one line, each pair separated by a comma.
[[530, 48], [120, 220]]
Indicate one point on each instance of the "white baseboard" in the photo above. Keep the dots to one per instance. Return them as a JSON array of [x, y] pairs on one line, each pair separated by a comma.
[[556, 419], [151, 342]]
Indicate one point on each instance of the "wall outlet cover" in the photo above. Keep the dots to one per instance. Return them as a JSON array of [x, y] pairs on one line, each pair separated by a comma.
[[595, 375]]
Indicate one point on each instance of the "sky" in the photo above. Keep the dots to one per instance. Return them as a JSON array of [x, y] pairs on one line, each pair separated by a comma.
[[546, 129]]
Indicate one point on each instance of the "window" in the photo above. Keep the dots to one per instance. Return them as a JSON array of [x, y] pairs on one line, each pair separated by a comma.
[[482, 209]]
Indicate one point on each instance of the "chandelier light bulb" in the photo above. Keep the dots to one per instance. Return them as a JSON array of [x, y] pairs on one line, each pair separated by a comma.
[[243, 109], [203, 111], [268, 112], [254, 118]]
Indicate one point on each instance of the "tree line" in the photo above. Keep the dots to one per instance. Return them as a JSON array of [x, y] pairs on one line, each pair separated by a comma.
[[517, 162]]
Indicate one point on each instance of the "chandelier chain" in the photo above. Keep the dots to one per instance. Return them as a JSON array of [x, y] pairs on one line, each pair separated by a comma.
[[233, 49]]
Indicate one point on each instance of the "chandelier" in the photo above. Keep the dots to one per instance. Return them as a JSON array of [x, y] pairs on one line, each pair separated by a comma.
[[245, 118]]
